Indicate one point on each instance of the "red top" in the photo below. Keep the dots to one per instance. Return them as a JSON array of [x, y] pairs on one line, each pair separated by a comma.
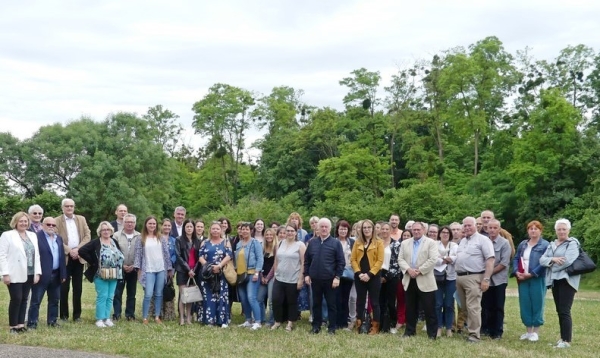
[[192, 258]]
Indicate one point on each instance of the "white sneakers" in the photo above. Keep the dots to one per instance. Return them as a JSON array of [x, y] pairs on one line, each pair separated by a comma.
[[100, 324], [224, 325], [108, 323], [562, 344], [255, 326], [532, 337], [246, 324], [393, 331]]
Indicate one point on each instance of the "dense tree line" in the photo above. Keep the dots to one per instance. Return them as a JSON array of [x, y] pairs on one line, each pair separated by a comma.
[[469, 129]]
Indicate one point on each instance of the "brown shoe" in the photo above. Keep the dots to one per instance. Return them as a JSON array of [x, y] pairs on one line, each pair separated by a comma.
[[157, 320], [357, 325], [374, 328], [145, 321]]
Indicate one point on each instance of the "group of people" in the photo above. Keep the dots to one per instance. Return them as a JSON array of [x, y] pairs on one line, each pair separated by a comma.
[[368, 277]]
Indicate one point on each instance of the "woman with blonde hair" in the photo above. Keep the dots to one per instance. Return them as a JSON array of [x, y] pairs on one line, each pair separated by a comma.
[[366, 260], [265, 290], [20, 267]]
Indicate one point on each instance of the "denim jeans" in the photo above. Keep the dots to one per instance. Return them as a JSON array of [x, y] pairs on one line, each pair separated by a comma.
[[52, 286], [265, 293], [247, 293], [444, 303], [155, 282], [105, 291]]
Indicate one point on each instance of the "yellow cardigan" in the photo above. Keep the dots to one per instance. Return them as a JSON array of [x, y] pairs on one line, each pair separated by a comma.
[[374, 255]]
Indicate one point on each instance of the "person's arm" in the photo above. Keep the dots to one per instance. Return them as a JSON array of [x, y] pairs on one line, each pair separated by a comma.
[[137, 260], [354, 259], [272, 271], [378, 259], [178, 253], [504, 258], [432, 256], [88, 253], [302, 251], [307, 262], [4, 244], [404, 265], [87, 236]]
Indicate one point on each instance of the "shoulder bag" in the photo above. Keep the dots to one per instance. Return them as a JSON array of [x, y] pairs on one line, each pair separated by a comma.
[[583, 263], [190, 294]]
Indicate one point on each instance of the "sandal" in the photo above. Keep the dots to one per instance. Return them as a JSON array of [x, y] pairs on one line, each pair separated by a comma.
[[275, 326], [289, 327]]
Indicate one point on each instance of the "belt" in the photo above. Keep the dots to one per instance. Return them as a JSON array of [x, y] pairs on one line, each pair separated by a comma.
[[55, 272], [469, 273]]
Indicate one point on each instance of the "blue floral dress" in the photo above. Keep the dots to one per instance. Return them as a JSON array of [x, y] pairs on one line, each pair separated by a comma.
[[215, 305]]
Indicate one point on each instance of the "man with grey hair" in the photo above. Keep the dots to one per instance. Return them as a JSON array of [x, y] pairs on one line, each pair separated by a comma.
[[324, 264], [474, 266], [126, 239], [177, 224], [36, 213], [75, 233], [313, 221], [492, 303]]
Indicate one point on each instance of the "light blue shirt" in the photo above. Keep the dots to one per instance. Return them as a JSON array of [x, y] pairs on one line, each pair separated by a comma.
[[54, 248], [415, 252]]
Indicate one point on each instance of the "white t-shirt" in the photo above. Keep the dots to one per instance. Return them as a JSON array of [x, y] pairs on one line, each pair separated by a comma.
[[154, 256]]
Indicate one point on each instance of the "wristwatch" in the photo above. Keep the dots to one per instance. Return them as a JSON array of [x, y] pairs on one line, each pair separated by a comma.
[[486, 279]]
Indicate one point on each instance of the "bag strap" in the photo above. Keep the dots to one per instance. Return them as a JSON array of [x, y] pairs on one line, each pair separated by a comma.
[[192, 279]]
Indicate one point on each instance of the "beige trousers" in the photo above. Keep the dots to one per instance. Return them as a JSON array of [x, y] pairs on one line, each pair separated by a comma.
[[469, 294]]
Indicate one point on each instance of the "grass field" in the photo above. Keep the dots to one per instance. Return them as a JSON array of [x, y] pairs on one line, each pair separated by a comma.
[[132, 339]]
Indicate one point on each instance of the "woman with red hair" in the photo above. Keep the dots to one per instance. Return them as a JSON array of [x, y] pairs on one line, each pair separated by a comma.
[[531, 276]]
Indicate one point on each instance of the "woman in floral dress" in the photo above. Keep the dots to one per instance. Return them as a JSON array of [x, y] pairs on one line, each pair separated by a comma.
[[216, 252]]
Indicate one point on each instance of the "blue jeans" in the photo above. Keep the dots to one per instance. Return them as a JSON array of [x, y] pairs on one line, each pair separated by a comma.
[[265, 293], [444, 303], [155, 282], [38, 290], [105, 291], [247, 293]]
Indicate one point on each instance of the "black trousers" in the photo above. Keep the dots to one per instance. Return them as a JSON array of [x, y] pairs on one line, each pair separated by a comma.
[[322, 288], [387, 300], [414, 296], [17, 307], [129, 282], [564, 294], [285, 301], [492, 310], [74, 275], [373, 287], [342, 298]]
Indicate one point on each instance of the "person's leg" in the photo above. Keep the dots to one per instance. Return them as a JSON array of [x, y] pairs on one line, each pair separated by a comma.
[[53, 299], [25, 290], [111, 286], [401, 304], [64, 291], [566, 295], [428, 304], [383, 306], [148, 293], [159, 285], [330, 293], [278, 298], [439, 303], [525, 303], [261, 298], [473, 304], [101, 297], [271, 318], [291, 297], [448, 304], [391, 301], [486, 308], [77, 279], [352, 303], [15, 291], [118, 298], [361, 298], [538, 296], [374, 289], [242, 291], [499, 301], [461, 303], [131, 288], [37, 295], [412, 313], [317, 288]]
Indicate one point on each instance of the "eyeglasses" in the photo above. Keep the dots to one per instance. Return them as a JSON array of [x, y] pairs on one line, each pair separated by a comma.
[[68, 206], [129, 222], [106, 230], [37, 213], [50, 225]]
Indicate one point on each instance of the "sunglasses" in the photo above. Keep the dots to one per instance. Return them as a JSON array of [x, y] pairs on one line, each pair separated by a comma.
[[37, 213], [50, 225]]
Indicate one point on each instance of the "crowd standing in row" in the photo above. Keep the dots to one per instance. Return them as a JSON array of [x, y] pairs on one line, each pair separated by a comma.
[[369, 277]]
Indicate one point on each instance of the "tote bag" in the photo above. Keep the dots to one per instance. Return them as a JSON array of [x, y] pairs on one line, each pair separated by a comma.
[[190, 294]]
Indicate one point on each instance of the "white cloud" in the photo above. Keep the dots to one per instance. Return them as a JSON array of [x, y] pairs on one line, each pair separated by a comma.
[[64, 59]]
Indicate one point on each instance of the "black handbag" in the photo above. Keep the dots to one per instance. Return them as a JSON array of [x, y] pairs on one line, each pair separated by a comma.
[[439, 276], [582, 264], [365, 327], [169, 291]]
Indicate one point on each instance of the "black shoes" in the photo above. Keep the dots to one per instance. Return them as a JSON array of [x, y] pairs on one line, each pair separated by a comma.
[[315, 330], [54, 324]]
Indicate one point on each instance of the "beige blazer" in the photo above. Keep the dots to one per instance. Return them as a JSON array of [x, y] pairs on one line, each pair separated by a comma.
[[13, 260], [426, 259], [82, 228]]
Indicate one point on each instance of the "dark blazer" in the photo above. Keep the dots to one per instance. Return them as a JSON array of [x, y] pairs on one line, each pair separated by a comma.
[[115, 225], [46, 258], [182, 254], [174, 232], [90, 253]]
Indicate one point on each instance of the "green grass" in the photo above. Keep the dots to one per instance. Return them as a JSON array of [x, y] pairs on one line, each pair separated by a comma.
[[132, 339]]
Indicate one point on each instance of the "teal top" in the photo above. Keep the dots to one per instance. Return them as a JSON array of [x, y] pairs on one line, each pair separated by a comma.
[[111, 257]]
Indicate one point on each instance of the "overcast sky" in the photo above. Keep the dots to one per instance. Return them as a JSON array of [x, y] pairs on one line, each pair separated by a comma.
[[60, 60]]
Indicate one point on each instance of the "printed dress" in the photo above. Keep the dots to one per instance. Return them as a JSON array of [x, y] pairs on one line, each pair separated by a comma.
[[215, 304]]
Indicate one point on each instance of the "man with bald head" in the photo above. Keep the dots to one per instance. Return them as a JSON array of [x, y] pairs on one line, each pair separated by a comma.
[[54, 272], [474, 266], [486, 217], [120, 212], [75, 233]]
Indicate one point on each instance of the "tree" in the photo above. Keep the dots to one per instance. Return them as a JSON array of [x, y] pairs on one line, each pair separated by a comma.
[[166, 130]]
